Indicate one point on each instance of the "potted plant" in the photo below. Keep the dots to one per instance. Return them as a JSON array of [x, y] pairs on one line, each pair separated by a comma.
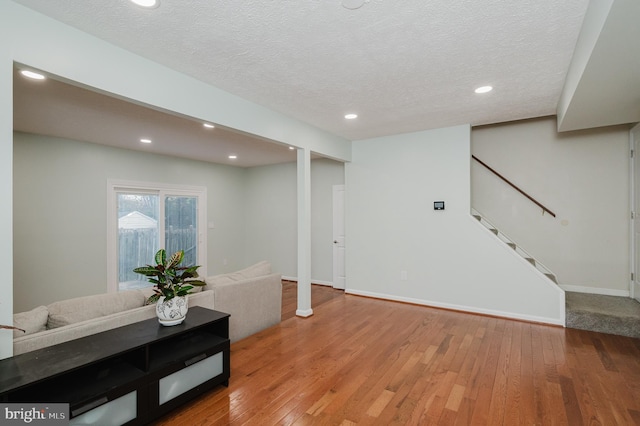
[[172, 283]]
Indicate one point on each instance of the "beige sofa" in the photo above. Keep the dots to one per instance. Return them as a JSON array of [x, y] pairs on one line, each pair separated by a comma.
[[252, 296]]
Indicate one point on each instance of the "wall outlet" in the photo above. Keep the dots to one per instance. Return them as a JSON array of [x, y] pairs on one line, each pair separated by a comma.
[[403, 275]]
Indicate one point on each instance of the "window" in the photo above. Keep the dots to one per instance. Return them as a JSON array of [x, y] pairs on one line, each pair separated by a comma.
[[146, 217]]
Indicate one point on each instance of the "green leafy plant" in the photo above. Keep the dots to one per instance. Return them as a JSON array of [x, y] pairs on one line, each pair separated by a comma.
[[169, 277]]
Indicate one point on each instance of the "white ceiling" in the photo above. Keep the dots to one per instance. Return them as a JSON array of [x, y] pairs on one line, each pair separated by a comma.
[[401, 66], [54, 108]]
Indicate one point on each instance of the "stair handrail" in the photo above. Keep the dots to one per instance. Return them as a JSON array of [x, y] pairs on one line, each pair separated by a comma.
[[533, 200]]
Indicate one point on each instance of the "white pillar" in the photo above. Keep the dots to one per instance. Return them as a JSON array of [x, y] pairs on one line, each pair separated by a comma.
[[304, 233]]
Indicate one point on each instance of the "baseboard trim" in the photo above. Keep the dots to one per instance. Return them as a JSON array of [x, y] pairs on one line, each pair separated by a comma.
[[318, 282], [304, 313], [596, 290], [325, 283], [461, 308]]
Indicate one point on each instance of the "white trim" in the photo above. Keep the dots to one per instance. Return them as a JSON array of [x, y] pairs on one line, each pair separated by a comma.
[[632, 203], [303, 189], [153, 186], [596, 290], [461, 308], [304, 313], [114, 185], [322, 282], [318, 282], [519, 254]]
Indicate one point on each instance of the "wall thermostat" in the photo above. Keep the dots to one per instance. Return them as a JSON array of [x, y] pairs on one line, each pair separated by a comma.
[[438, 205]]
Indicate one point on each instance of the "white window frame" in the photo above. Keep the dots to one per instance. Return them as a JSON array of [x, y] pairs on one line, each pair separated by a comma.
[[114, 186]]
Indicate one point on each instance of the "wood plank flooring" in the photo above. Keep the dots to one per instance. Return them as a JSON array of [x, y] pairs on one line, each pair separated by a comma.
[[361, 361]]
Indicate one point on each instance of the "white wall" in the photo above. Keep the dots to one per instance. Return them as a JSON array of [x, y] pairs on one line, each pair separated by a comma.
[[449, 258], [271, 220], [583, 177], [270, 217], [6, 190], [60, 208], [592, 25]]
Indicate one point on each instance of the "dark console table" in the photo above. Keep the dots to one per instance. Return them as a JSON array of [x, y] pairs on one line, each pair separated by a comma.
[[129, 375]]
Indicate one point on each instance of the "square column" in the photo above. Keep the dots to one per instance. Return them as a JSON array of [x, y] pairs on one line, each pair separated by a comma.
[[304, 233]]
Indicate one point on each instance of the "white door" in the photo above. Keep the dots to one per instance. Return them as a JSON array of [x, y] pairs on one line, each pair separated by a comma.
[[635, 145], [339, 280]]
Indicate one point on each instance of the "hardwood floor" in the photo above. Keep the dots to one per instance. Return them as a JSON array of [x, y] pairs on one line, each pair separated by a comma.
[[372, 362]]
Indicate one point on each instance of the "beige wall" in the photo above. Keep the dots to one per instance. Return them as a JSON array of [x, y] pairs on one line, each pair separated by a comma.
[[60, 213], [271, 220], [581, 176], [60, 208]]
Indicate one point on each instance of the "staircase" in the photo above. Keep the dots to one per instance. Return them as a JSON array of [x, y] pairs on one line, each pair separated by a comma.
[[502, 237], [592, 312]]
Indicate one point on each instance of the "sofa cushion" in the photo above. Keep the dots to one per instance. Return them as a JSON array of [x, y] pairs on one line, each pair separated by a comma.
[[79, 309], [31, 321], [77, 330], [147, 292], [257, 270]]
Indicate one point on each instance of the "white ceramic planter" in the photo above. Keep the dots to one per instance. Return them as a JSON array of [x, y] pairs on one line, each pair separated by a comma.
[[172, 311]]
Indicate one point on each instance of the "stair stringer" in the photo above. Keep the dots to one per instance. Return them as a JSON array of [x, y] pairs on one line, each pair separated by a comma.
[[521, 256], [515, 247]]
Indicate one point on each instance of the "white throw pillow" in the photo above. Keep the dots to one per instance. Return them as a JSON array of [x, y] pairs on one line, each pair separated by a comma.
[[31, 321]]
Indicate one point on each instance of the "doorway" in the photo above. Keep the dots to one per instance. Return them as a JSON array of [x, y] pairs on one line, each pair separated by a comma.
[[339, 276]]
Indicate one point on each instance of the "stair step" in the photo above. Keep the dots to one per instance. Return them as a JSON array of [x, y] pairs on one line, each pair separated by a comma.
[[517, 249], [604, 314]]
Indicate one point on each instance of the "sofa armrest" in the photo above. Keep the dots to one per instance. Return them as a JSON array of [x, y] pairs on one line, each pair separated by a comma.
[[254, 304]]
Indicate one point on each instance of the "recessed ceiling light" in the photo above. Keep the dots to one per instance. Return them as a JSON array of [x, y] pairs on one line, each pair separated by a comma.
[[146, 3], [233, 157], [32, 74], [208, 125], [143, 140], [351, 116], [484, 89]]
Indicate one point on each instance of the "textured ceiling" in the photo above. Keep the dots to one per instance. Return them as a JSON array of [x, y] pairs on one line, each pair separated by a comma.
[[401, 65]]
